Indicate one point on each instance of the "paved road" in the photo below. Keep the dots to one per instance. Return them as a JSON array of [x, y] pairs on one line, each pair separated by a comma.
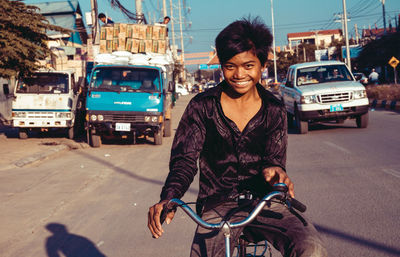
[[96, 200]]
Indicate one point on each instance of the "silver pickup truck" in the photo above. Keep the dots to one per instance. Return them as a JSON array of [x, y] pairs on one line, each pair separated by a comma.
[[323, 91]]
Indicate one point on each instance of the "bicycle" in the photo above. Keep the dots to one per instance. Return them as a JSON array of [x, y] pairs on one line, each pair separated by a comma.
[[279, 193]]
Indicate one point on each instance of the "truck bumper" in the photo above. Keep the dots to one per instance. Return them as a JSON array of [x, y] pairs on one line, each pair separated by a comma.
[[42, 123], [321, 115]]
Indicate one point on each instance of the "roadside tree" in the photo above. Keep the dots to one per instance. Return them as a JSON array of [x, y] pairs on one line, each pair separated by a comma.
[[23, 39]]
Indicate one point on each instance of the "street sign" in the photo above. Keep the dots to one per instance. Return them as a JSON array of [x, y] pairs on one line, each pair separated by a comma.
[[393, 62]]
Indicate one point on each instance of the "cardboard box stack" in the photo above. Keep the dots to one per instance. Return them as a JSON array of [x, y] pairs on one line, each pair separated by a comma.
[[135, 38]]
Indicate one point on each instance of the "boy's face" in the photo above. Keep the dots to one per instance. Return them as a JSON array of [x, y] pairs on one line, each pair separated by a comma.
[[243, 71]]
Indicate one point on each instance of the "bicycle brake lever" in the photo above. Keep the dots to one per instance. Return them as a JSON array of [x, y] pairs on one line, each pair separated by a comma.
[[297, 204]]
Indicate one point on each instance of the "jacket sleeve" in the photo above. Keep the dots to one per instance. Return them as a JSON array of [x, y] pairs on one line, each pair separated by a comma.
[[275, 151], [186, 147]]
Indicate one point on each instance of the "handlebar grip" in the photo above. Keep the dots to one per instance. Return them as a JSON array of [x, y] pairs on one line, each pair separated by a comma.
[[297, 205], [168, 207]]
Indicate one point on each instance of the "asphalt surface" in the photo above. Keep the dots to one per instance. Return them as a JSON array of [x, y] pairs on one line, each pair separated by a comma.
[[17, 152]]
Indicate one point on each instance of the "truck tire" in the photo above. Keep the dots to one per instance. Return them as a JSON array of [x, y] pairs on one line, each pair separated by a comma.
[[167, 128], [95, 140], [158, 137], [71, 132], [301, 126], [289, 120], [362, 120], [23, 134]]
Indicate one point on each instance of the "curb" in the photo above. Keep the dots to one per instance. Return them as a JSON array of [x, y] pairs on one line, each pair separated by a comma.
[[384, 104], [64, 145]]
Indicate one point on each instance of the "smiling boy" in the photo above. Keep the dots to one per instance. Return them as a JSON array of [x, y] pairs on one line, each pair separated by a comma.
[[238, 133]]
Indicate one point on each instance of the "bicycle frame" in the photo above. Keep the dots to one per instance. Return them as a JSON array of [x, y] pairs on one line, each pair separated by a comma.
[[225, 226]]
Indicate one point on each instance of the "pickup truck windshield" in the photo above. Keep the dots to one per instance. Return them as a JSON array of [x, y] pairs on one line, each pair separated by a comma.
[[322, 74], [48, 83], [125, 79]]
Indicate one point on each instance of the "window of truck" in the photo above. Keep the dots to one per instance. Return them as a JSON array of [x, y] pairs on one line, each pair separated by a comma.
[[322, 74], [126, 79], [50, 83]]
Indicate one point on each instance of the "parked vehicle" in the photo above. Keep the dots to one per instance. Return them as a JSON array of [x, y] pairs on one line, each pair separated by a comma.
[[323, 91], [48, 100], [129, 95], [181, 90], [360, 77]]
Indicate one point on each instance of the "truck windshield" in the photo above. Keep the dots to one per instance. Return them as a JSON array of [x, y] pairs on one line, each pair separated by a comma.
[[125, 79], [322, 74], [47, 83]]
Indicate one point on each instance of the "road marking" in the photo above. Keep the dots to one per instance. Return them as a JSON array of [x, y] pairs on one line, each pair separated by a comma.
[[337, 147], [392, 172], [100, 243]]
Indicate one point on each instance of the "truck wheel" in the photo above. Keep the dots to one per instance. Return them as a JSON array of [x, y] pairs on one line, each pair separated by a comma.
[[70, 133], [95, 140], [167, 128], [302, 126], [158, 137], [290, 120], [362, 120], [23, 133]]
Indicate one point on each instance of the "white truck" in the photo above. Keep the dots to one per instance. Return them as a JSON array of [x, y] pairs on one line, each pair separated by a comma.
[[48, 100], [323, 91]]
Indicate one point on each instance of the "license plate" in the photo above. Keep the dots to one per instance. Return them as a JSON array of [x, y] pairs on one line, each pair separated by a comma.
[[336, 108], [122, 127]]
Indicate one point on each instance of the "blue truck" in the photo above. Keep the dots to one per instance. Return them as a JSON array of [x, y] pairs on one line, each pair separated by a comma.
[[129, 96]]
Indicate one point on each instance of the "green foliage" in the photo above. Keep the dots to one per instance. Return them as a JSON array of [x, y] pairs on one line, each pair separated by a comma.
[[22, 38], [378, 52]]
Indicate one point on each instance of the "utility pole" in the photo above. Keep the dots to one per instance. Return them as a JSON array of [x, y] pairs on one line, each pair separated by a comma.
[[357, 36], [182, 46], [139, 12], [273, 40], [164, 8], [172, 30], [347, 35], [95, 22], [384, 16]]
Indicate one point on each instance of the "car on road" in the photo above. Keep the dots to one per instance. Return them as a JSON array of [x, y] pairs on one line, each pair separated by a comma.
[[323, 91], [181, 90]]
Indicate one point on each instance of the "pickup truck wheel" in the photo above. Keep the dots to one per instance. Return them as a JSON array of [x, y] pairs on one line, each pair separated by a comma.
[[95, 140], [23, 133], [167, 128], [362, 120], [158, 137], [302, 126]]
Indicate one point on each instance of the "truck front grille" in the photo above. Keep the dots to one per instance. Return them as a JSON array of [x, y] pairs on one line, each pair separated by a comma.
[[40, 115], [337, 97], [123, 118]]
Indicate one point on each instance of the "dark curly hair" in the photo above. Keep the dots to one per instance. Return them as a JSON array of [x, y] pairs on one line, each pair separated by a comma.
[[241, 36]]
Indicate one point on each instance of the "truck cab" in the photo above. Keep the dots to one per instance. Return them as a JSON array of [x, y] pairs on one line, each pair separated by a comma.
[[128, 101], [323, 91], [47, 100]]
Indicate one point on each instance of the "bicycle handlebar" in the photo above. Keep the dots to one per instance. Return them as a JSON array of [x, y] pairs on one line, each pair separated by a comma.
[[280, 193]]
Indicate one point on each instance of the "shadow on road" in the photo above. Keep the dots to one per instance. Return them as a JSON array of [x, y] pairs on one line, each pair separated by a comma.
[[358, 240], [129, 173], [67, 244]]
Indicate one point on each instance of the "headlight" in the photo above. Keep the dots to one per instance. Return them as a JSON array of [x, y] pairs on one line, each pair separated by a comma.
[[19, 114], [63, 115], [308, 99], [360, 94], [147, 118], [154, 119], [93, 117], [100, 117]]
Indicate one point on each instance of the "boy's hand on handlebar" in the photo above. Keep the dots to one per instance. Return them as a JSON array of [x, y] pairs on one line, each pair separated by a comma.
[[275, 175], [154, 215]]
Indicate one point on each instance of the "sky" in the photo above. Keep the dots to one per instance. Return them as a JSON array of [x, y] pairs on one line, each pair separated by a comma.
[[204, 19]]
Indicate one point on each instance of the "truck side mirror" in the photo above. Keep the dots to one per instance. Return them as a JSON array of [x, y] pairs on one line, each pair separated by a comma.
[[6, 89]]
